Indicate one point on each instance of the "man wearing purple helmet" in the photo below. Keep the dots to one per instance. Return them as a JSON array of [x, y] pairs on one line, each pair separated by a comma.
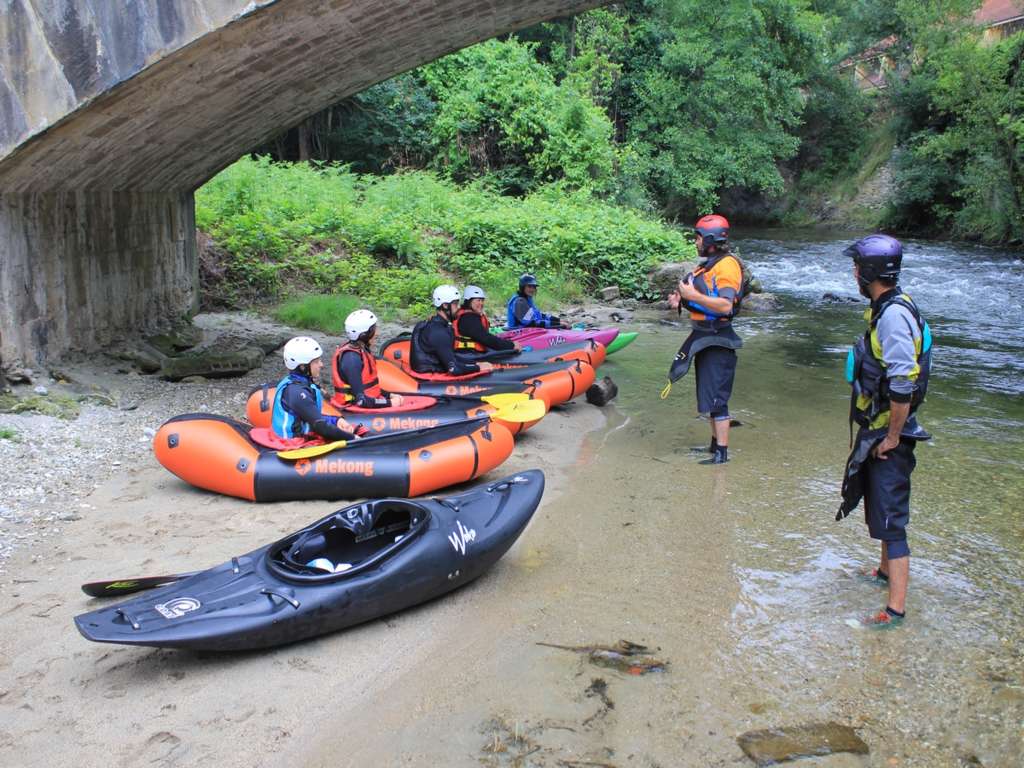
[[888, 370]]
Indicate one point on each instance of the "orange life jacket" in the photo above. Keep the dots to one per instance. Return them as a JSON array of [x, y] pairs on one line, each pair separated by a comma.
[[464, 343], [371, 383]]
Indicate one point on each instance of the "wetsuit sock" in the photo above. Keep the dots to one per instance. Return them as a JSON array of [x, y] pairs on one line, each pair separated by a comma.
[[720, 456]]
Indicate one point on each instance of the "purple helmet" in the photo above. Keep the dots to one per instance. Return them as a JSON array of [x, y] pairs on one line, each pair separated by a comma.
[[877, 257]]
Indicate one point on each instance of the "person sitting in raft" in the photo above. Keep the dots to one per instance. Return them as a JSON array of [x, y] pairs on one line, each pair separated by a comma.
[[712, 294], [472, 328], [432, 348], [354, 368], [298, 400], [523, 313]]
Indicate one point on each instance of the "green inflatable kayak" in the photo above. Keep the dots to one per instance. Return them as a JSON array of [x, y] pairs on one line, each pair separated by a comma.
[[620, 341]]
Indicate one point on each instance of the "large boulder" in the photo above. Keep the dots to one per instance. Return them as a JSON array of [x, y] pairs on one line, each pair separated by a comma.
[[761, 302], [213, 363], [665, 277], [181, 336]]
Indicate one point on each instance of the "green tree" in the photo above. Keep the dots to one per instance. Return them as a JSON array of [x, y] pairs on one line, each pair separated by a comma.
[[719, 103], [501, 113]]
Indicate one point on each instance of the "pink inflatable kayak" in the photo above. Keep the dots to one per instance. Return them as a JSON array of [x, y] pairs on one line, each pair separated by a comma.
[[549, 337]]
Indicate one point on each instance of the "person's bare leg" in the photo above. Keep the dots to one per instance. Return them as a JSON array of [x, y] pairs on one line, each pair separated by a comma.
[[720, 431], [883, 564], [899, 576]]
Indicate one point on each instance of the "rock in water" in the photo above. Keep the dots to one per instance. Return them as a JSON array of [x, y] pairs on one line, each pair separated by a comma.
[[611, 292], [777, 745], [602, 392]]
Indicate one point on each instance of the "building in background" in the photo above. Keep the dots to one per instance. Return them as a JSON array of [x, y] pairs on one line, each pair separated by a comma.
[[870, 69]]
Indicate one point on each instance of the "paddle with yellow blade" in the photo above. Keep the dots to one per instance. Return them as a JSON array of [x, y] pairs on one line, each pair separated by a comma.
[[498, 399], [524, 411]]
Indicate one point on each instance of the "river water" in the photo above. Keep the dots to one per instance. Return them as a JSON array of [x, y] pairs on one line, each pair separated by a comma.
[[948, 686], [738, 576]]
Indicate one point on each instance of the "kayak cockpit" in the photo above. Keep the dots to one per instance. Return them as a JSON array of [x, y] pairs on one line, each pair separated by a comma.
[[348, 542]]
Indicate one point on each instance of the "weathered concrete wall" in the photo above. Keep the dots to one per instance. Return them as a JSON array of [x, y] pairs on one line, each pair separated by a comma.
[[81, 270], [55, 55], [149, 99]]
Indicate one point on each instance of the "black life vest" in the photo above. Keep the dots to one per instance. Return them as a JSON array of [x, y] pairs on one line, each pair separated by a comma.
[[866, 370], [421, 358]]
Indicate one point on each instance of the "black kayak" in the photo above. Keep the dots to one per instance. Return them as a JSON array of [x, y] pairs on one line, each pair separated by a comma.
[[386, 555]]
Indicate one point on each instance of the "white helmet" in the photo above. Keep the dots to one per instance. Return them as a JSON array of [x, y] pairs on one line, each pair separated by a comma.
[[359, 322], [301, 350], [473, 292], [446, 294]]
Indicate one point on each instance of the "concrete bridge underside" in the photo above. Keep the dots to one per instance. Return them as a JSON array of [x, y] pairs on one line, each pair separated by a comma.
[[112, 114]]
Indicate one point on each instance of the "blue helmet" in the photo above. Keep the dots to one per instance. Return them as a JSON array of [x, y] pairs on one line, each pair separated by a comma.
[[527, 279], [877, 257]]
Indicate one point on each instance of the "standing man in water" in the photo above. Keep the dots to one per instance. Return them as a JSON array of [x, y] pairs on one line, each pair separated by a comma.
[[888, 370], [712, 293]]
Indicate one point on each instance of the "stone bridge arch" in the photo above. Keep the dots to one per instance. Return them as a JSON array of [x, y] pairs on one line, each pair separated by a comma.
[[113, 113]]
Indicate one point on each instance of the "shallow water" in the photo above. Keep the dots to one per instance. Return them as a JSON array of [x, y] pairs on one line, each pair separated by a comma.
[[739, 575]]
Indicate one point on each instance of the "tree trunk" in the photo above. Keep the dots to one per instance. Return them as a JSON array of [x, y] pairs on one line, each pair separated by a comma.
[[304, 142]]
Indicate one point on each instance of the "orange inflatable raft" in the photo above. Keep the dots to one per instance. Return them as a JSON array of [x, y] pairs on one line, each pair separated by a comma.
[[587, 350], [217, 454], [415, 412], [556, 382]]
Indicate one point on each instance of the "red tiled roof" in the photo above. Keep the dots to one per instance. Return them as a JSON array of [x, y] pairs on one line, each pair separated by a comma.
[[994, 12], [875, 50]]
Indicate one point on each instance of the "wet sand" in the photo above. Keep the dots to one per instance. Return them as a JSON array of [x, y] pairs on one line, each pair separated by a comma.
[[61, 696], [736, 576]]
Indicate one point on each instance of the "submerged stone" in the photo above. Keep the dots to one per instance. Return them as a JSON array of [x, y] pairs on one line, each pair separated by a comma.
[[777, 745]]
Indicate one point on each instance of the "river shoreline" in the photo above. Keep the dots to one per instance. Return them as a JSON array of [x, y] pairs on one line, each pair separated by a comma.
[[127, 516], [737, 577]]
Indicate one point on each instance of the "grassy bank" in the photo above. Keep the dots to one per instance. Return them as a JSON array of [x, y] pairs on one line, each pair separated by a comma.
[[291, 230]]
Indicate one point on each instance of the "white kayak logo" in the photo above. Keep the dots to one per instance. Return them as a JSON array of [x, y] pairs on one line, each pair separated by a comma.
[[178, 607], [460, 537]]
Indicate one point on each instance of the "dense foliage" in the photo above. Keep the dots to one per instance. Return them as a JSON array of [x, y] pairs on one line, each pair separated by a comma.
[[558, 148], [294, 228], [961, 165]]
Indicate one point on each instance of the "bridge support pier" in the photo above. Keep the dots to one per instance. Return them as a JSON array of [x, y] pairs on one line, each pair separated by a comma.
[[80, 270]]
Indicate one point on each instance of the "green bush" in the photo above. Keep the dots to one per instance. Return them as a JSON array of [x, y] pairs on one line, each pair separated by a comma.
[[297, 229], [322, 312]]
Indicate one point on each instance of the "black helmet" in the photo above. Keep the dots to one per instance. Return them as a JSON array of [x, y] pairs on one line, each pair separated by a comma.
[[877, 257], [526, 280]]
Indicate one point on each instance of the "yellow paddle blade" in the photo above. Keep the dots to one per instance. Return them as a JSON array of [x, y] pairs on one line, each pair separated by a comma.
[[506, 398], [531, 410], [312, 450]]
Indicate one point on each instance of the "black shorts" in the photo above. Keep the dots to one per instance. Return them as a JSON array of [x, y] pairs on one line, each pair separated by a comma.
[[887, 492], [715, 369]]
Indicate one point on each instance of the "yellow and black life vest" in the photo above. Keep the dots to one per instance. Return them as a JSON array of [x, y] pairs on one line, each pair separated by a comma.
[[465, 343], [866, 368]]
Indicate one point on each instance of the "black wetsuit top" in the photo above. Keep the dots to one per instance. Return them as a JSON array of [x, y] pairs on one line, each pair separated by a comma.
[[300, 401], [351, 365], [435, 350], [472, 327]]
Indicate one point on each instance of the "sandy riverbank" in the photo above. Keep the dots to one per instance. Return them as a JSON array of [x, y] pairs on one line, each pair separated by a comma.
[[107, 509]]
